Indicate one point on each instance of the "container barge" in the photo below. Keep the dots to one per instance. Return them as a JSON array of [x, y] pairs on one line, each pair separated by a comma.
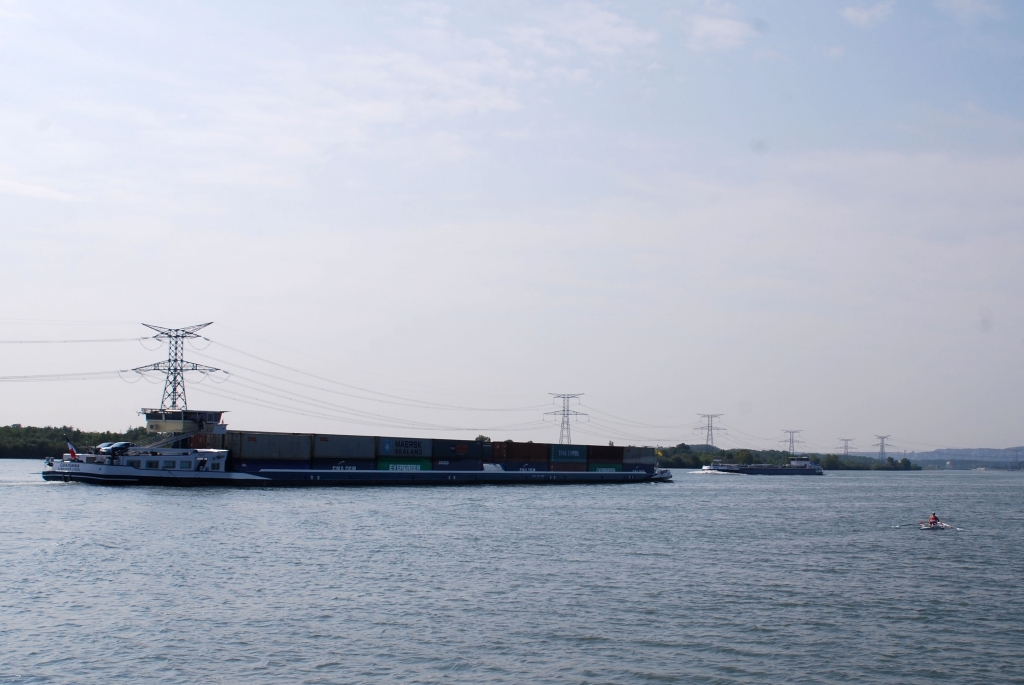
[[798, 466], [196, 449]]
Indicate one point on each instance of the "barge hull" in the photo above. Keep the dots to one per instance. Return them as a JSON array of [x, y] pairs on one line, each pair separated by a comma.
[[312, 478], [778, 472]]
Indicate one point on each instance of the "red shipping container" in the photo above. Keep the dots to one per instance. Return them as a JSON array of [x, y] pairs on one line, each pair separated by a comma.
[[560, 466], [527, 451], [605, 455]]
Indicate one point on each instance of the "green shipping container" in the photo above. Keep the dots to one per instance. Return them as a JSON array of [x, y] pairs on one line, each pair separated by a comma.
[[572, 454], [403, 464], [604, 468]]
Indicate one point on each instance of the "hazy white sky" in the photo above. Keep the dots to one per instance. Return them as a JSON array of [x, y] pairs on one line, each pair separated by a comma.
[[804, 215]]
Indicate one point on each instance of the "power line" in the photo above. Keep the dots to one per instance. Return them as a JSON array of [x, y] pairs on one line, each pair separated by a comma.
[[564, 438], [415, 404], [269, 404], [636, 424], [792, 439], [175, 366], [426, 404], [710, 428], [86, 340], [87, 376]]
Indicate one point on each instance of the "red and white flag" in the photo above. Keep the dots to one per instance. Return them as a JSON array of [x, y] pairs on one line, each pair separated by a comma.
[[71, 450]]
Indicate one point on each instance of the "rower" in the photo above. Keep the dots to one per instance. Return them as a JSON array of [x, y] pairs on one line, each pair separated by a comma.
[[933, 520]]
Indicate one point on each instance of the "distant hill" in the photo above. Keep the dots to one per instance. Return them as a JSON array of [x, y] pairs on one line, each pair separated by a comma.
[[1009, 454]]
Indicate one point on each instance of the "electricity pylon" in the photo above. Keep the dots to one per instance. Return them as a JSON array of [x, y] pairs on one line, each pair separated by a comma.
[[175, 366], [709, 440], [792, 439], [881, 446], [564, 438]]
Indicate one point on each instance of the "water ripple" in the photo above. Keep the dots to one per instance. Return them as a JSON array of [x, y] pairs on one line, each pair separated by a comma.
[[707, 580]]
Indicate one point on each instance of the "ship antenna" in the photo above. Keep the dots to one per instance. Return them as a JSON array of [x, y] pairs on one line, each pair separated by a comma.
[[175, 366]]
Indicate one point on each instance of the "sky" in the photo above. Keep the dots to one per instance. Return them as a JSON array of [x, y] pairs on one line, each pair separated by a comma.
[[423, 218]]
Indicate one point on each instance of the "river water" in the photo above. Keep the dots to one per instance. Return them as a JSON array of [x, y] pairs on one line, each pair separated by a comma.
[[711, 579]]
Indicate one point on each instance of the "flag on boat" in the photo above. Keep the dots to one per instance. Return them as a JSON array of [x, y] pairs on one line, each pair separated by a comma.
[[71, 448]]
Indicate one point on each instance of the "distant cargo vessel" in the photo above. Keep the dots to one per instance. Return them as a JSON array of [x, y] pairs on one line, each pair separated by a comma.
[[798, 466], [197, 449]]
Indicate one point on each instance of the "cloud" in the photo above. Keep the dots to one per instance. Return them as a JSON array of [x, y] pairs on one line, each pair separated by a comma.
[[582, 27], [835, 52], [866, 16], [968, 10], [718, 33], [37, 192]]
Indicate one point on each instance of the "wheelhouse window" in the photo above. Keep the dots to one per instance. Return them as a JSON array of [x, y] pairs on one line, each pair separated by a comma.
[[134, 463], [184, 464], [169, 464], [152, 464], [215, 467]]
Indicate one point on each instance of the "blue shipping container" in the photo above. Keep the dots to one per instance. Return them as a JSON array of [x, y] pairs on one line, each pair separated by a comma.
[[638, 455], [525, 465], [458, 465], [345, 464], [571, 454], [638, 468], [416, 448], [254, 465]]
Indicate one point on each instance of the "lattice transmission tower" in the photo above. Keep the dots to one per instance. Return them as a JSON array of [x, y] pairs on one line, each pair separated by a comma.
[[881, 446], [175, 366], [792, 440], [564, 438], [710, 428], [846, 445]]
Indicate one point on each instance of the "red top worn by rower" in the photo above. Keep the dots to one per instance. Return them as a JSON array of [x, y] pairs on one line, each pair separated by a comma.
[[933, 519]]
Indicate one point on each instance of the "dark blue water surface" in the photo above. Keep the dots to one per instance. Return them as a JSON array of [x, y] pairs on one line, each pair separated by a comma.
[[712, 579]]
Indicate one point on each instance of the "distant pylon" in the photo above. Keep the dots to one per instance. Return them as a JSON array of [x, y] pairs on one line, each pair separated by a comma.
[[846, 446], [175, 366], [792, 439], [564, 438], [709, 440], [881, 446]]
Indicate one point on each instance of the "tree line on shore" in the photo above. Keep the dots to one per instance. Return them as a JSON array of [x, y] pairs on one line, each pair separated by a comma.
[[30, 442], [684, 456]]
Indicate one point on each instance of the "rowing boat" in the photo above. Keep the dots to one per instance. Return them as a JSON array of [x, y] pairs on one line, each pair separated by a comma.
[[934, 526]]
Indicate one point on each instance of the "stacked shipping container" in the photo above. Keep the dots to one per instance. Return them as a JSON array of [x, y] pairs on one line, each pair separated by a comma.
[[403, 454], [256, 451], [568, 457], [457, 455], [344, 452], [605, 458], [638, 459], [252, 451], [521, 456]]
